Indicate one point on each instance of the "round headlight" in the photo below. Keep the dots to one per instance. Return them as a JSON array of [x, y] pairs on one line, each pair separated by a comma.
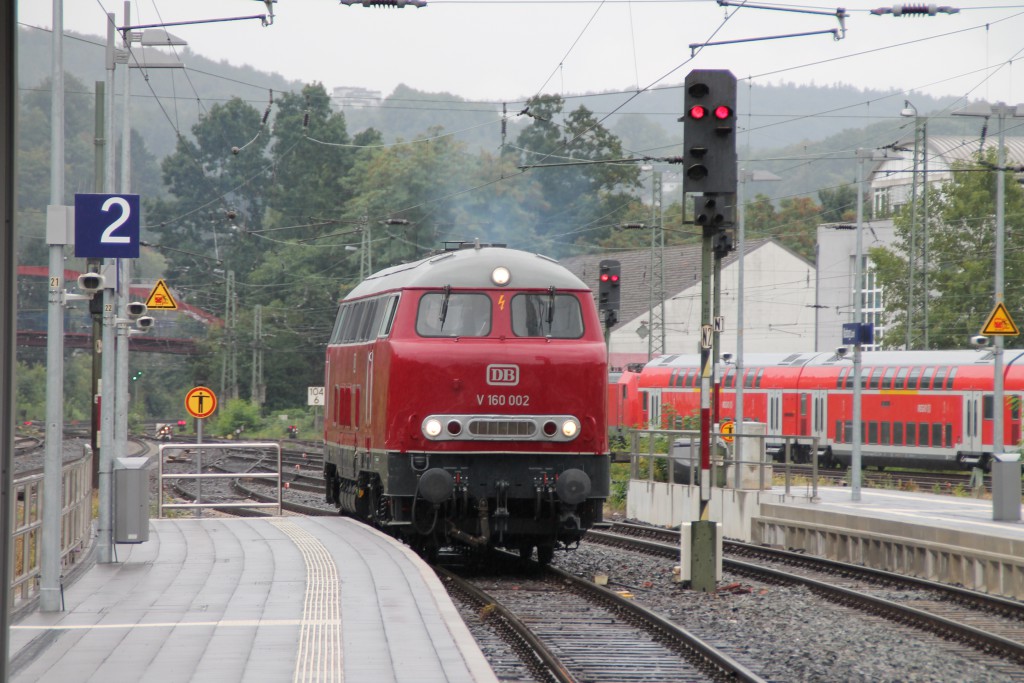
[[500, 276], [432, 427], [570, 428]]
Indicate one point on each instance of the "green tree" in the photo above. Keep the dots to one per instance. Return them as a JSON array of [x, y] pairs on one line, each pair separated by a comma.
[[581, 203], [961, 260]]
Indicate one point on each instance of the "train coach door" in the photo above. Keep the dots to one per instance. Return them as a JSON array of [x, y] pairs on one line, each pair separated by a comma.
[[972, 422], [774, 411], [819, 415], [653, 397]]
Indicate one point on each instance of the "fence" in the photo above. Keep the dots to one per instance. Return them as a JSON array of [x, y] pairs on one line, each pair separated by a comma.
[[199, 477], [27, 517]]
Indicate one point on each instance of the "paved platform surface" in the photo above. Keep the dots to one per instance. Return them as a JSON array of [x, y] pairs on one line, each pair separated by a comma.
[[253, 600], [969, 515]]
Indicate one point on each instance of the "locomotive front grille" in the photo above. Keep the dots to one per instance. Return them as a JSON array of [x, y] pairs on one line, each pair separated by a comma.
[[524, 429], [500, 427]]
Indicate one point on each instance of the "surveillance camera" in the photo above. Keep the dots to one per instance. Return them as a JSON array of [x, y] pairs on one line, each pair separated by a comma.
[[145, 322], [726, 357], [136, 309], [979, 341], [90, 282], [841, 351]]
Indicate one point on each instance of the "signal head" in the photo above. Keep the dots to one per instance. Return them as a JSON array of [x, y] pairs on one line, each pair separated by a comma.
[[145, 322]]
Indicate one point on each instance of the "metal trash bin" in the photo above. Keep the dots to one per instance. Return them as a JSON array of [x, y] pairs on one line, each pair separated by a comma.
[[1006, 487], [131, 500]]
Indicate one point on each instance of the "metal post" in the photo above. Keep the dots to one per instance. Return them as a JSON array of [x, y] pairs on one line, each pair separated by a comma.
[[49, 558], [997, 357], [8, 333], [913, 246], [707, 362], [924, 227], [855, 456], [104, 540], [123, 271], [741, 246]]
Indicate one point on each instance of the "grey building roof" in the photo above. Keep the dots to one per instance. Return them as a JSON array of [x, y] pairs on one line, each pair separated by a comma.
[[682, 270]]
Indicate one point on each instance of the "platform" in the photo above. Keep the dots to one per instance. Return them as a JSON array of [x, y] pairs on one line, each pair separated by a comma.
[[253, 600], [938, 537]]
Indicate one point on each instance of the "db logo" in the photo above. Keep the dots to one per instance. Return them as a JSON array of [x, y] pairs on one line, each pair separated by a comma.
[[503, 375]]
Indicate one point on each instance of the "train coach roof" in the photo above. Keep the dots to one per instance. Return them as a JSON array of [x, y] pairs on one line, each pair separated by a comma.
[[961, 357], [471, 268]]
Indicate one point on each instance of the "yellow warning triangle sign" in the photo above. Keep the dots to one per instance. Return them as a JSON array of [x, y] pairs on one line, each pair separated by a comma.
[[160, 298], [1000, 323]]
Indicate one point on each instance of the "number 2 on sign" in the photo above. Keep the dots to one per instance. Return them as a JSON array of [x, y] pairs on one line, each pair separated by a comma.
[[108, 236]]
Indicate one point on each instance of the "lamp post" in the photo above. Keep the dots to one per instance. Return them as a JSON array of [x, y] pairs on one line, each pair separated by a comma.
[[741, 246], [858, 296]]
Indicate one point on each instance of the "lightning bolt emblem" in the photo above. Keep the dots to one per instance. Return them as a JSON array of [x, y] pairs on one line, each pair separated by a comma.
[[501, 302]]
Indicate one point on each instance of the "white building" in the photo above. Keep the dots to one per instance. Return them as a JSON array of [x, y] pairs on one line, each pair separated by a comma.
[[352, 97], [778, 307], [837, 249]]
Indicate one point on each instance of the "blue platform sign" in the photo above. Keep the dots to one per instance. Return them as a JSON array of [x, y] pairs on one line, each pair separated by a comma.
[[858, 333], [107, 225]]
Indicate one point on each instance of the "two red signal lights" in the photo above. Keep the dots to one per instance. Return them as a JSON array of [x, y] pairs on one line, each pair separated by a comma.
[[721, 112]]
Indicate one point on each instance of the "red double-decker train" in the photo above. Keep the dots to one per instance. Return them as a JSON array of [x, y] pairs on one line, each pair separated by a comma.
[[466, 403], [931, 409]]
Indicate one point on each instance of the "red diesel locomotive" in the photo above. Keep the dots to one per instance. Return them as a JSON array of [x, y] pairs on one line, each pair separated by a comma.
[[466, 403], [930, 409]]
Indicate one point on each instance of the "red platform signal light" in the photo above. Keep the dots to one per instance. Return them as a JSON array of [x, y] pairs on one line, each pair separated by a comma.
[[722, 112], [698, 112]]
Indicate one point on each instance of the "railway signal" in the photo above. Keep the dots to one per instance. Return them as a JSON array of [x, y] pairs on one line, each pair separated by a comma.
[[709, 132], [608, 286]]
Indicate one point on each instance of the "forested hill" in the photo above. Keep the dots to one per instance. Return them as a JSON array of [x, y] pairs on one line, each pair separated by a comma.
[[785, 122]]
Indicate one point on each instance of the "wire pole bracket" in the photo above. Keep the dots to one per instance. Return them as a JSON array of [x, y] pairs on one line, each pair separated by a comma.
[[837, 33]]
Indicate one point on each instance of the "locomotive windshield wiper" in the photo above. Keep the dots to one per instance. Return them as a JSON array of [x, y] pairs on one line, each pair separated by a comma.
[[444, 305], [551, 305]]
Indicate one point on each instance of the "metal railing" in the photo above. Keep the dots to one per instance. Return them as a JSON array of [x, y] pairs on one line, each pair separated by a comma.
[[27, 517], [680, 450], [199, 476]]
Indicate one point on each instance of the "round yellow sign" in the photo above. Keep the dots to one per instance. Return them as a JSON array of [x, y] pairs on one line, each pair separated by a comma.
[[727, 429], [200, 402]]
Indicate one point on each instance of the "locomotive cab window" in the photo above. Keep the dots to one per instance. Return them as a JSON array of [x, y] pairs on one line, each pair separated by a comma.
[[557, 316], [454, 314]]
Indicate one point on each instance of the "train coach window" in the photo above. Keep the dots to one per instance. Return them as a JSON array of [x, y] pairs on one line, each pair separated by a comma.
[[949, 435], [915, 375], [872, 432], [937, 434], [339, 322], [456, 314], [887, 378], [350, 329], [922, 434], [949, 378], [940, 378], [875, 378], [901, 379], [748, 379], [557, 316], [897, 433], [886, 438], [986, 407], [911, 434], [926, 379], [760, 376]]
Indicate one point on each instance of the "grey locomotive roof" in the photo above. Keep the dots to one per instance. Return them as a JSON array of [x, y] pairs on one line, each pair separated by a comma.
[[471, 268]]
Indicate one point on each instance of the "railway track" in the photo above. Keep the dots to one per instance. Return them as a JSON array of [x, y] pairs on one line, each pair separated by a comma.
[[568, 629], [989, 625]]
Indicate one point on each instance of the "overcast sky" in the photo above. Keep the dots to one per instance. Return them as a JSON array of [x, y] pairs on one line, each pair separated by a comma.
[[506, 50]]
